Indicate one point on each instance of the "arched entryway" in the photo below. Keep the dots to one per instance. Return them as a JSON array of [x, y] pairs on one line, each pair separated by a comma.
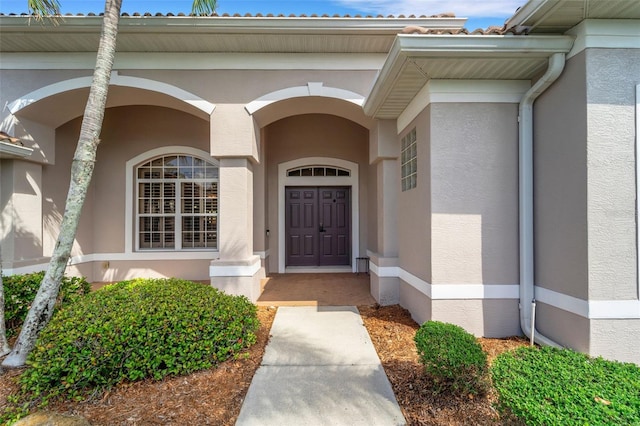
[[313, 144]]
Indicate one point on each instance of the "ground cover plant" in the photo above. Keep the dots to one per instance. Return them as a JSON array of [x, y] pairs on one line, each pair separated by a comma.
[[559, 386], [21, 289], [452, 357], [133, 330]]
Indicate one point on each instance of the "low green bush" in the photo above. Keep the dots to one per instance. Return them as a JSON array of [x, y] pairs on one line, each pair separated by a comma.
[[20, 290], [452, 357], [562, 387], [132, 330]]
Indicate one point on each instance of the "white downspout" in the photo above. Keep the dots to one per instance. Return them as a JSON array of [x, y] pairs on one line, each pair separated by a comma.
[[525, 136]]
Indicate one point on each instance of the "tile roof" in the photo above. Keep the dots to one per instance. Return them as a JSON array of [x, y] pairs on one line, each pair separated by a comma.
[[5, 137], [492, 30], [249, 15]]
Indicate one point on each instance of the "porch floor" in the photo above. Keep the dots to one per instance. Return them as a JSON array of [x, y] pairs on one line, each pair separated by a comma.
[[337, 289]]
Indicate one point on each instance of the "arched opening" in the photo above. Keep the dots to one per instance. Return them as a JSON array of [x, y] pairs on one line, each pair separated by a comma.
[[325, 129]]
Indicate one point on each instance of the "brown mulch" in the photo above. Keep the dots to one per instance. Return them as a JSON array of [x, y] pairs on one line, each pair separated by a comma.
[[214, 397], [392, 330]]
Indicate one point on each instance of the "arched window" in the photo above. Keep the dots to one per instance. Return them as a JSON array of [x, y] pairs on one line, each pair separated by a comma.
[[318, 171], [177, 203]]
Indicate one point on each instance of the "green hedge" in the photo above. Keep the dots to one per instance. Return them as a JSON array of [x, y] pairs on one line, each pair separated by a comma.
[[452, 357], [561, 387], [20, 290], [134, 330]]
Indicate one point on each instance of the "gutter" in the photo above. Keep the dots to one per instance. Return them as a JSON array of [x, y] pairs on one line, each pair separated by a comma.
[[525, 142]]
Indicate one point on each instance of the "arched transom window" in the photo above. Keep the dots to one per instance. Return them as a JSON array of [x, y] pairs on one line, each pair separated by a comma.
[[318, 171], [177, 203]]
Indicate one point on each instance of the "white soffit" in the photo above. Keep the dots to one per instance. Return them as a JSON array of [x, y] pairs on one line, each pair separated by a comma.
[[416, 59], [558, 16]]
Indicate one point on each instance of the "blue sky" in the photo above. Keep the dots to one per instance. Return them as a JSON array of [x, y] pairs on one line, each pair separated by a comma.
[[481, 13]]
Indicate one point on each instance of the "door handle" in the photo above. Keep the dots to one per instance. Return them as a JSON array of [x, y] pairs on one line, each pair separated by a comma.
[[321, 228]]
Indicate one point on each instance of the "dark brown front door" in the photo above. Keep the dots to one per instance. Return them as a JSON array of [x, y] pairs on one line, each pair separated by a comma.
[[318, 226]]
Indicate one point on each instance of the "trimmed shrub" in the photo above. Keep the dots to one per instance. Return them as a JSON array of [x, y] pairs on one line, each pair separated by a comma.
[[132, 330], [559, 386], [20, 290], [452, 357]]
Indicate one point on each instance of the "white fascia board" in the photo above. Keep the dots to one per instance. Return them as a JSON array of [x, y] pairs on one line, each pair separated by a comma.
[[525, 15], [386, 78], [196, 61], [482, 45], [9, 150], [462, 91], [606, 34], [234, 24]]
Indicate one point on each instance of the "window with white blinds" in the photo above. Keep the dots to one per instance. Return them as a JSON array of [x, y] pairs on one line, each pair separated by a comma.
[[177, 204]]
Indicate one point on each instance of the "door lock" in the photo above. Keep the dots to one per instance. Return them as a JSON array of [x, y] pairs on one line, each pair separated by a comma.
[[321, 228]]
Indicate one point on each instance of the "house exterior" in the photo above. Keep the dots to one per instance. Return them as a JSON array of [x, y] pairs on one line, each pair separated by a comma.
[[475, 172]]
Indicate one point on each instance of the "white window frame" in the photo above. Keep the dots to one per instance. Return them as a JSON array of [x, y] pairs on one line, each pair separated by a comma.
[[131, 193]]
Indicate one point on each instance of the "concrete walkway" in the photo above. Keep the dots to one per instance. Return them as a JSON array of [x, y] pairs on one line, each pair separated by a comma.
[[320, 368]]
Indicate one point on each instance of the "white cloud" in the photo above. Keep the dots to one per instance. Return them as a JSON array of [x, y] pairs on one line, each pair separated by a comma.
[[461, 8]]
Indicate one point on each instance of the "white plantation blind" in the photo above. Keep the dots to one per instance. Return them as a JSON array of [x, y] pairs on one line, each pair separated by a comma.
[[177, 203]]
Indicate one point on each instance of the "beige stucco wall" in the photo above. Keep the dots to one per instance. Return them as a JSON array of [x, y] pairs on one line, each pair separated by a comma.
[[20, 211], [372, 207], [127, 132], [243, 86], [460, 224], [612, 77], [474, 193], [585, 193], [560, 183], [414, 206], [314, 135], [130, 130]]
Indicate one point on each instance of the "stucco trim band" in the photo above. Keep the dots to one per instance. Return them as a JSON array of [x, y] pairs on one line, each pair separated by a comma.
[[124, 257], [593, 309], [448, 291], [231, 270], [116, 80], [311, 89]]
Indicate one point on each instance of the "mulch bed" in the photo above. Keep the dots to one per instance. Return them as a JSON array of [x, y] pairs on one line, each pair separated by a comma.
[[214, 397]]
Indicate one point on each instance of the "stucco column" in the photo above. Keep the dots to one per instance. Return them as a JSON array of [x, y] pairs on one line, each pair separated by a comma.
[[383, 155], [234, 143]]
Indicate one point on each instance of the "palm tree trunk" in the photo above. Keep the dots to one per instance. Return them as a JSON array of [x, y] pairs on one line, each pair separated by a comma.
[[81, 172]]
